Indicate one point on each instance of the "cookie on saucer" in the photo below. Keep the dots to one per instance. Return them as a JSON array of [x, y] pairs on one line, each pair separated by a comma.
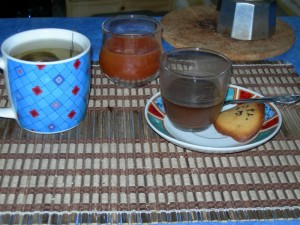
[[241, 122]]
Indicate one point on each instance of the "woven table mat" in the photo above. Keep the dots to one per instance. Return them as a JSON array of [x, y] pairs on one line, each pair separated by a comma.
[[114, 164]]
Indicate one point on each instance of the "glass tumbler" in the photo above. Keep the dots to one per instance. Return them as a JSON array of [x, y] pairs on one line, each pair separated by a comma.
[[193, 84], [131, 49]]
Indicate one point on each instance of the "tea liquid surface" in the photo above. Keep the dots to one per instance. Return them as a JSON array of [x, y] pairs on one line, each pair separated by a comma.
[[45, 51]]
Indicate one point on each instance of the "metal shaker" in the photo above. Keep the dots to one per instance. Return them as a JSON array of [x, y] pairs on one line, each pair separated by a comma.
[[247, 19]]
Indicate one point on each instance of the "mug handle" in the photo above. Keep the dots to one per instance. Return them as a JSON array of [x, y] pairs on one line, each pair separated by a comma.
[[9, 111]]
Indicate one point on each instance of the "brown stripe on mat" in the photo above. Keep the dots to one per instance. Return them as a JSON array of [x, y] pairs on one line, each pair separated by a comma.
[[116, 168]]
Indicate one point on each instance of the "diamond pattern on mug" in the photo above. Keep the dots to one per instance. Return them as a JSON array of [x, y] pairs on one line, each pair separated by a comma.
[[37, 90], [56, 104], [34, 113], [40, 67], [18, 95], [59, 80], [76, 64], [72, 114], [20, 71], [51, 126]]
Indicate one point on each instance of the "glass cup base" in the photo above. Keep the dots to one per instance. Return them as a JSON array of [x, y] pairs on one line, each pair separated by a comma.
[[191, 130], [132, 83]]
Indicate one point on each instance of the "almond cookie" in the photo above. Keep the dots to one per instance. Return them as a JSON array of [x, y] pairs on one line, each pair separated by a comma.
[[241, 122]]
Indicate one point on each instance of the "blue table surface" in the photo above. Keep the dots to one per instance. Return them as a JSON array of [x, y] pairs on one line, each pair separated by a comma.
[[91, 27]]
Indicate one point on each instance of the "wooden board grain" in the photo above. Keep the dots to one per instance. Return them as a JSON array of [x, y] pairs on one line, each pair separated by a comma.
[[196, 27]]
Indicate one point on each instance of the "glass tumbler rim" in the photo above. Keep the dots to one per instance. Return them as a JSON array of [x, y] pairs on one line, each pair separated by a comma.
[[196, 49], [131, 16]]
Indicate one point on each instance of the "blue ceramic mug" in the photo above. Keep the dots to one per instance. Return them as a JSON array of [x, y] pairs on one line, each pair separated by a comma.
[[47, 77]]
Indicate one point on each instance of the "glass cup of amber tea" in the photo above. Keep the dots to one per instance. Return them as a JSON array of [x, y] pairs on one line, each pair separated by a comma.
[[131, 49], [193, 84]]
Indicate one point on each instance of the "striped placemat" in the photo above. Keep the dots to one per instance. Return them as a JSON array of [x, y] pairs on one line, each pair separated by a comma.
[[113, 168]]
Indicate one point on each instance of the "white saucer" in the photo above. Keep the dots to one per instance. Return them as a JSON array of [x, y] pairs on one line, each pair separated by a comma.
[[209, 140]]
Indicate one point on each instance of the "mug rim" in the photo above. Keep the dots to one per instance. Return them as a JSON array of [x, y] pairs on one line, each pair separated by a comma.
[[42, 34], [162, 61]]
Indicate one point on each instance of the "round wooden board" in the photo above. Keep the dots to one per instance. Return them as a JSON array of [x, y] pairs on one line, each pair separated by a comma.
[[196, 27]]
